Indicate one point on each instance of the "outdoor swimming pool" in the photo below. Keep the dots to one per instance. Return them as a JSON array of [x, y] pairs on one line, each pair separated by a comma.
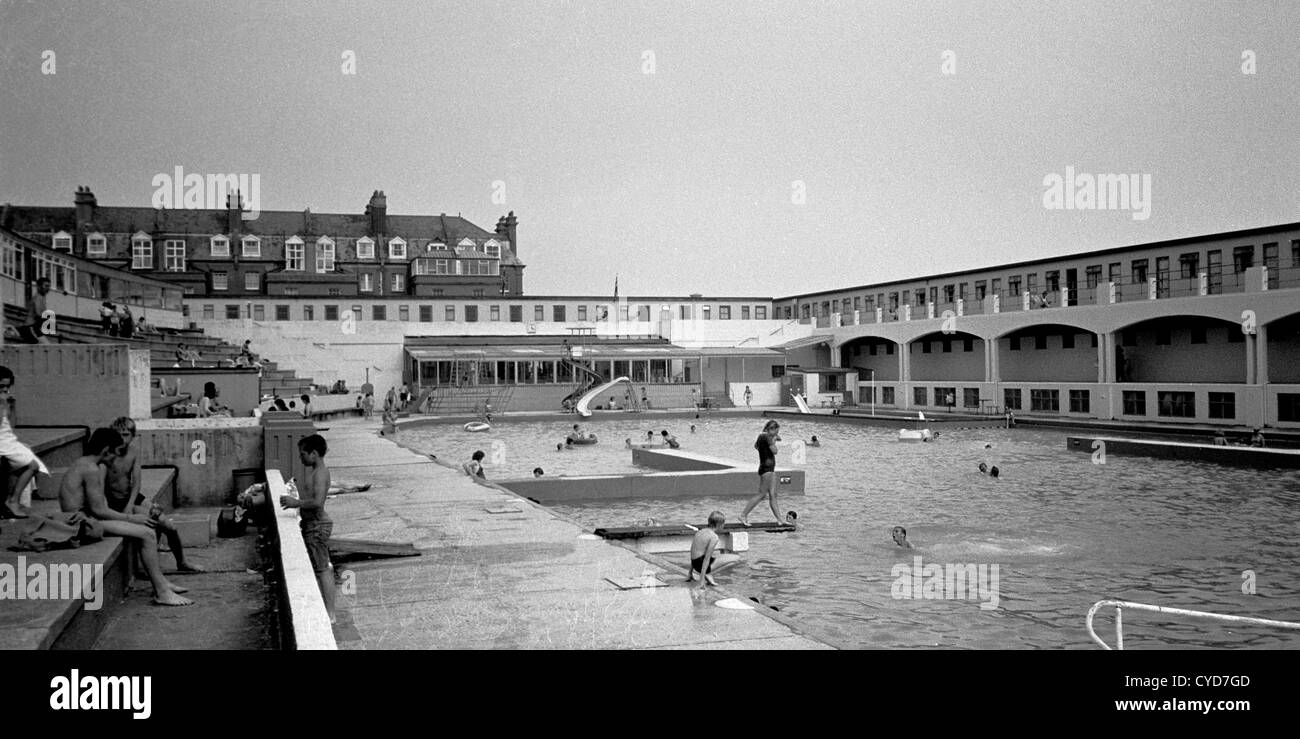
[[1063, 531]]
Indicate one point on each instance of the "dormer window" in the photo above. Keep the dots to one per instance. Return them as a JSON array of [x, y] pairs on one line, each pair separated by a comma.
[[437, 246], [366, 248], [141, 251], [294, 252], [463, 245], [96, 245], [493, 248], [220, 246], [397, 249], [324, 254], [252, 247], [62, 242]]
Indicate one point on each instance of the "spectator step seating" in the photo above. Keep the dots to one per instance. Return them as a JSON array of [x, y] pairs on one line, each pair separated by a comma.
[[51, 623], [213, 352]]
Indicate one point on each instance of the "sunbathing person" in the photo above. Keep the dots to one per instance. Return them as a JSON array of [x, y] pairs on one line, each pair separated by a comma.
[[122, 490], [83, 490]]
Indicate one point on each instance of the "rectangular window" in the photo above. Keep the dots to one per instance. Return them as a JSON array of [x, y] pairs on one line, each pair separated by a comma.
[[365, 249], [1162, 277], [1011, 398], [449, 314], [1139, 271], [724, 313], [887, 395], [404, 313], [294, 258], [918, 396], [1295, 252], [582, 313], [945, 397], [324, 256], [1176, 404], [494, 313], [209, 312], [948, 293], [1135, 402], [281, 312], [356, 312], [1243, 258], [1031, 283], [440, 267], [252, 281], [1014, 343], [397, 249], [232, 312], [1040, 341], [744, 312], [925, 347], [291, 291], [220, 281], [308, 313], [1223, 405], [516, 314], [1288, 407], [1189, 265], [704, 312], [220, 246], [141, 254], [331, 313], [367, 282], [399, 283], [259, 312], [760, 313], [379, 312], [334, 291], [557, 313], [970, 397], [1114, 272], [1013, 285], [1046, 401], [981, 289], [947, 346], [426, 314], [96, 246], [1079, 401], [1214, 271], [1271, 263], [539, 313], [1093, 276], [471, 314]]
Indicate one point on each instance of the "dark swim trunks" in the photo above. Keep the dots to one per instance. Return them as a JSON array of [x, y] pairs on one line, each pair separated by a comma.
[[766, 459], [698, 562], [316, 535]]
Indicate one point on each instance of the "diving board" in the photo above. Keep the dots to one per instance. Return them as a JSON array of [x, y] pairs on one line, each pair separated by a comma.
[[592, 394]]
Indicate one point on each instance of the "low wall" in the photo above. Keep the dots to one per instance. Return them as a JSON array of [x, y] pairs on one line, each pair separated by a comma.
[[205, 451], [78, 384], [304, 622], [240, 388], [1239, 456]]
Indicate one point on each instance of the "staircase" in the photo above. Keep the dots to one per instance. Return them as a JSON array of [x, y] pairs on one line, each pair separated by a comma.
[[213, 352]]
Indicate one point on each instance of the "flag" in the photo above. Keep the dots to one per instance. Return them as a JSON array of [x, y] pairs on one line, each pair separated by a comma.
[[615, 287]]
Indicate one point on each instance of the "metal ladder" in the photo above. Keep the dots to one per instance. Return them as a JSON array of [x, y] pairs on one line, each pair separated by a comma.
[[1167, 610]]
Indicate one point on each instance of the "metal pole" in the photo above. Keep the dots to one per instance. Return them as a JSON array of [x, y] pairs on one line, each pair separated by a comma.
[[873, 392]]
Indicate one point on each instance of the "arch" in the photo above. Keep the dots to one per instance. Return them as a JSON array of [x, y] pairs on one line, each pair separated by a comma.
[[1181, 348]]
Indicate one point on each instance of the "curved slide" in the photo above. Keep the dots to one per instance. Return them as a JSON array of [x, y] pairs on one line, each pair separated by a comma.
[[591, 395], [803, 404]]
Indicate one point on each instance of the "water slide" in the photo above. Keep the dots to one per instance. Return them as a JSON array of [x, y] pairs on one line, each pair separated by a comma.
[[799, 401], [595, 392]]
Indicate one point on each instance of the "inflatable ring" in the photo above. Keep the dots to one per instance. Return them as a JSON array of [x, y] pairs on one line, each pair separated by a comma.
[[588, 441], [478, 426]]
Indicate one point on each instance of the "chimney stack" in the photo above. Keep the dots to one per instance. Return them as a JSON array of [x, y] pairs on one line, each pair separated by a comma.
[[234, 213], [85, 204], [509, 222], [378, 212]]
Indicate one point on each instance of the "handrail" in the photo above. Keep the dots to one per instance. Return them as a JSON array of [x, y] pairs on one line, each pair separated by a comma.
[[1169, 610]]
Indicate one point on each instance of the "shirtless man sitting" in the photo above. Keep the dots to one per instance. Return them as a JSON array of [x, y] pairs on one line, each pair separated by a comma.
[[122, 490], [83, 490]]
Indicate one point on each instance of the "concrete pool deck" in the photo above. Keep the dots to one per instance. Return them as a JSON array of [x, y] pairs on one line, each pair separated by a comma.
[[497, 571]]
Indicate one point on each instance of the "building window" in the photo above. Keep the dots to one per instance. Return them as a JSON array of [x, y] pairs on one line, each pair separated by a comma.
[[1295, 252], [516, 314], [494, 313], [887, 395], [539, 313], [440, 267], [704, 311], [396, 249], [1011, 398], [1079, 401], [1013, 285], [492, 248], [259, 312], [426, 314], [331, 313], [294, 252], [1188, 265], [219, 246], [1135, 402], [252, 281], [367, 282], [174, 255], [557, 313], [308, 313], [471, 313], [744, 312], [1271, 263], [1176, 404], [365, 248], [582, 313], [1093, 276], [1223, 405], [1040, 341], [622, 312], [334, 292], [925, 347], [324, 255], [404, 313], [96, 245], [209, 312], [450, 313], [251, 246], [62, 242], [1288, 407], [379, 312], [141, 252], [1114, 272], [232, 312], [1243, 258], [1139, 271], [724, 313], [220, 281], [356, 312], [918, 396], [981, 289], [399, 283], [970, 397], [291, 291], [1047, 401], [760, 313], [281, 312]]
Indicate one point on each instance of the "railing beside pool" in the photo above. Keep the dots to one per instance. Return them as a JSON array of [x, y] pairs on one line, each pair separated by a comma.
[[1120, 605]]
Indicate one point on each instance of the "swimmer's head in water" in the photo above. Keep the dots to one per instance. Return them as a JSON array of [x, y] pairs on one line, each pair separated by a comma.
[[559, 447], [692, 428], [900, 536], [537, 472], [993, 471], [791, 516], [716, 519], [984, 468]]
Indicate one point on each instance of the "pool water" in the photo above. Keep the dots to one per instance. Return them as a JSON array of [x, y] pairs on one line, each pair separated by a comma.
[[1063, 531]]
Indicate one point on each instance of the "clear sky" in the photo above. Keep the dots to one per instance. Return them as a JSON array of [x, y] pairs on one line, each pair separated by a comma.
[[684, 179]]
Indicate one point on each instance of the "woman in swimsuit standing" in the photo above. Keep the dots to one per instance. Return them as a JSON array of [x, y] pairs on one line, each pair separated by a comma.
[[766, 446]]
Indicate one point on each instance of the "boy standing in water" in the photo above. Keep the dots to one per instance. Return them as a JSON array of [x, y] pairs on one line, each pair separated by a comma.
[[316, 524], [766, 446]]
